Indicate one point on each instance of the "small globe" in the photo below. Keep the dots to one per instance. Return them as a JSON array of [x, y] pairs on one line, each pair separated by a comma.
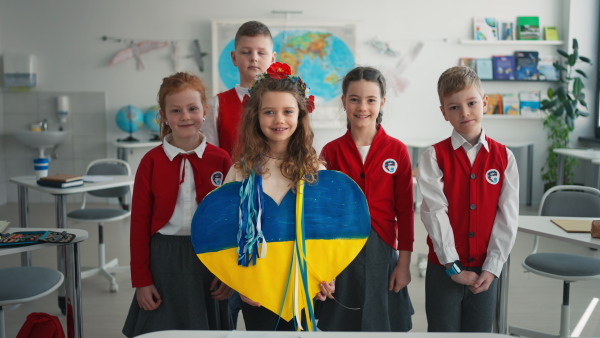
[[152, 119], [129, 119]]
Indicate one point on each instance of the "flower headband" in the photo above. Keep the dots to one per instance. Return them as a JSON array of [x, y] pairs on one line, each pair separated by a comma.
[[280, 71]]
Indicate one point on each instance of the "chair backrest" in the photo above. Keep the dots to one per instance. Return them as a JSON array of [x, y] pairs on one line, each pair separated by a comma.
[[571, 200], [109, 166]]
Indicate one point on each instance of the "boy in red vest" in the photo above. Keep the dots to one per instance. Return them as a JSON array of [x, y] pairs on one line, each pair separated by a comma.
[[470, 187], [253, 54]]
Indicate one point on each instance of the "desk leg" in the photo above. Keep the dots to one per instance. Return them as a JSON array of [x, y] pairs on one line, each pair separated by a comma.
[[73, 286], [23, 196], [560, 175], [502, 307], [596, 176], [415, 157], [529, 173], [60, 212]]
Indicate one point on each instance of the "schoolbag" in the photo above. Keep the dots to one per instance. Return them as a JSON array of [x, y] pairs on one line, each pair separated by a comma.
[[41, 325]]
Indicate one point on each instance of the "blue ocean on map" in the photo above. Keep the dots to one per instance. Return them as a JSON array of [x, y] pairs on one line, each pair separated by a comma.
[[320, 58]]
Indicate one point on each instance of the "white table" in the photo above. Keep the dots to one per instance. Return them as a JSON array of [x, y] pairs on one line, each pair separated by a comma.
[[540, 226], [592, 155], [72, 272], [123, 146], [257, 334], [29, 182], [417, 145]]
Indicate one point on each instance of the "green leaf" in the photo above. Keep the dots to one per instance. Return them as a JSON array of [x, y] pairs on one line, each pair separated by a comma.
[[550, 93], [576, 54], [547, 104], [561, 92], [585, 59], [584, 114], [560, 67], [570, 121], [559, 111], [581, 72], [575, 44], [577, 85], [572, 60], [583, 103], [563, 53], [570, 109]]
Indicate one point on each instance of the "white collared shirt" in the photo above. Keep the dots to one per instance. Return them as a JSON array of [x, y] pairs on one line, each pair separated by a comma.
[[181, 220], [209, 129], [434, 209]]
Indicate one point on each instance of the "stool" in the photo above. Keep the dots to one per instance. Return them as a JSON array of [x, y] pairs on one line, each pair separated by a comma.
[[25, 284]]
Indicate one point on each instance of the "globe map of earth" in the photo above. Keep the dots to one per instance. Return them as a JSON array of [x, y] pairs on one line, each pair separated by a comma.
[[320, 58], [129, 119]]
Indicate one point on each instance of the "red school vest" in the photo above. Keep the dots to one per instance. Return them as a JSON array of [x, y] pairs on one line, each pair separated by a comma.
[[230, 115], [472, 194]]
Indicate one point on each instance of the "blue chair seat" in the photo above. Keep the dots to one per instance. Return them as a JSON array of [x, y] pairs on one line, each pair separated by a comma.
[[27, 283], [567, 266], [98, 215]]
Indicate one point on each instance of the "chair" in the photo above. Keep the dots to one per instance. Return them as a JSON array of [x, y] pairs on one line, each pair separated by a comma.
[[101, 215], [563, 200], [25, 284]]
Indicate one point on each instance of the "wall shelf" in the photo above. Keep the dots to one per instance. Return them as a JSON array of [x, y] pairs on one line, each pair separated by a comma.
[[512, 42]]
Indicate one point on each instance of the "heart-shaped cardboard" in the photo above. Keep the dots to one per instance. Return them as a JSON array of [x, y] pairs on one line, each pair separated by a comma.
[[336, 227]]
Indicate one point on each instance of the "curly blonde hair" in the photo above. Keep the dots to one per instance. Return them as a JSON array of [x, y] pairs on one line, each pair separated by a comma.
[[300, 161]]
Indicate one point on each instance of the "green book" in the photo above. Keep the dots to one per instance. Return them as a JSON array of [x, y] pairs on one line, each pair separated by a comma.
[[528, 28]]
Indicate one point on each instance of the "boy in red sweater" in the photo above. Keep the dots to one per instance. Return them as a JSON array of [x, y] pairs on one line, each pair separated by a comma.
[[470, 187], [253, 54]]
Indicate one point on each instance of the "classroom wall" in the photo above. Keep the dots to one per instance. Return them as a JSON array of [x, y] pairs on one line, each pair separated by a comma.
[[66, 37]]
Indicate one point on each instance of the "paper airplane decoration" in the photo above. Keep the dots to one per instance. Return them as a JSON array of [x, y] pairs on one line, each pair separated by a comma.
[[135, 51], [198, 55]]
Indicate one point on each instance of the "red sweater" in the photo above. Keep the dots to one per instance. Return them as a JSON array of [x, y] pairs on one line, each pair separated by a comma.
[[386, 180], [472, 193], [155, 195], [230, 116]]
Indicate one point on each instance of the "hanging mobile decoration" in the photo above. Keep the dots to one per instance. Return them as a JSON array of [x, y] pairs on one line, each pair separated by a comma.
[[135, 50], [198, 55]]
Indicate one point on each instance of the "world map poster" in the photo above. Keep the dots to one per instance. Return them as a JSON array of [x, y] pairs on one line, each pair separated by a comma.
[[320, 53]]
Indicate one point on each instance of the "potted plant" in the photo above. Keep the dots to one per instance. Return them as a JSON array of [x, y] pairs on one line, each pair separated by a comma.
[[563, 108]]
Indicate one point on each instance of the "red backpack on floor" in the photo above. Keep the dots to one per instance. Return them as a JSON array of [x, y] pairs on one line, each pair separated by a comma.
[[41, 325]]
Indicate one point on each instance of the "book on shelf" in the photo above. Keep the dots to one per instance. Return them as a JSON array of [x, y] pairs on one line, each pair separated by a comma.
[[529, 103], [546, 69], [494, 104], [526, 65], [468, 62], [528, 28], [62, 178], [485, 29], [484, 69], [503, 67], [506, 30], [551, 33], [510, 104]]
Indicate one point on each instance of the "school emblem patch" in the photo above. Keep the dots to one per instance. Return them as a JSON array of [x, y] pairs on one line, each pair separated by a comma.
[[390, 165], [492, 176], [216, 178]]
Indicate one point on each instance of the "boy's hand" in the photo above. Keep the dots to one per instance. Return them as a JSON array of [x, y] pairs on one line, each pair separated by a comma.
[[465, 277], [399, 279], [248, 300], [483, 282], [148, 298], [326, 290], [220, 291]]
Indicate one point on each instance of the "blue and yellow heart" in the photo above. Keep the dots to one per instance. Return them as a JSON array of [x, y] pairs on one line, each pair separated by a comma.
[[336, 226]]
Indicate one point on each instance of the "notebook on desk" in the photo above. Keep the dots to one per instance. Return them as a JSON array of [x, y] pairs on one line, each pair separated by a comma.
[[574, 225]]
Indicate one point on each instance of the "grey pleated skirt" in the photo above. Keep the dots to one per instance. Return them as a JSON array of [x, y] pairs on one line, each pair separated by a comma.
[[183, 283], [364, 284]]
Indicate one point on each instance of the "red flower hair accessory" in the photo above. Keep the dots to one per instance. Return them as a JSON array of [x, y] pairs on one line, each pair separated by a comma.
[[279, 71], [310, 103]]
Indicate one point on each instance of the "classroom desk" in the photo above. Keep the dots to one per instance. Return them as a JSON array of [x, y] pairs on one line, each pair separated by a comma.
[[540, 226], [123, 146], [72, 273], [257, 334], [60, 200], [417, 145], [592, 155]]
